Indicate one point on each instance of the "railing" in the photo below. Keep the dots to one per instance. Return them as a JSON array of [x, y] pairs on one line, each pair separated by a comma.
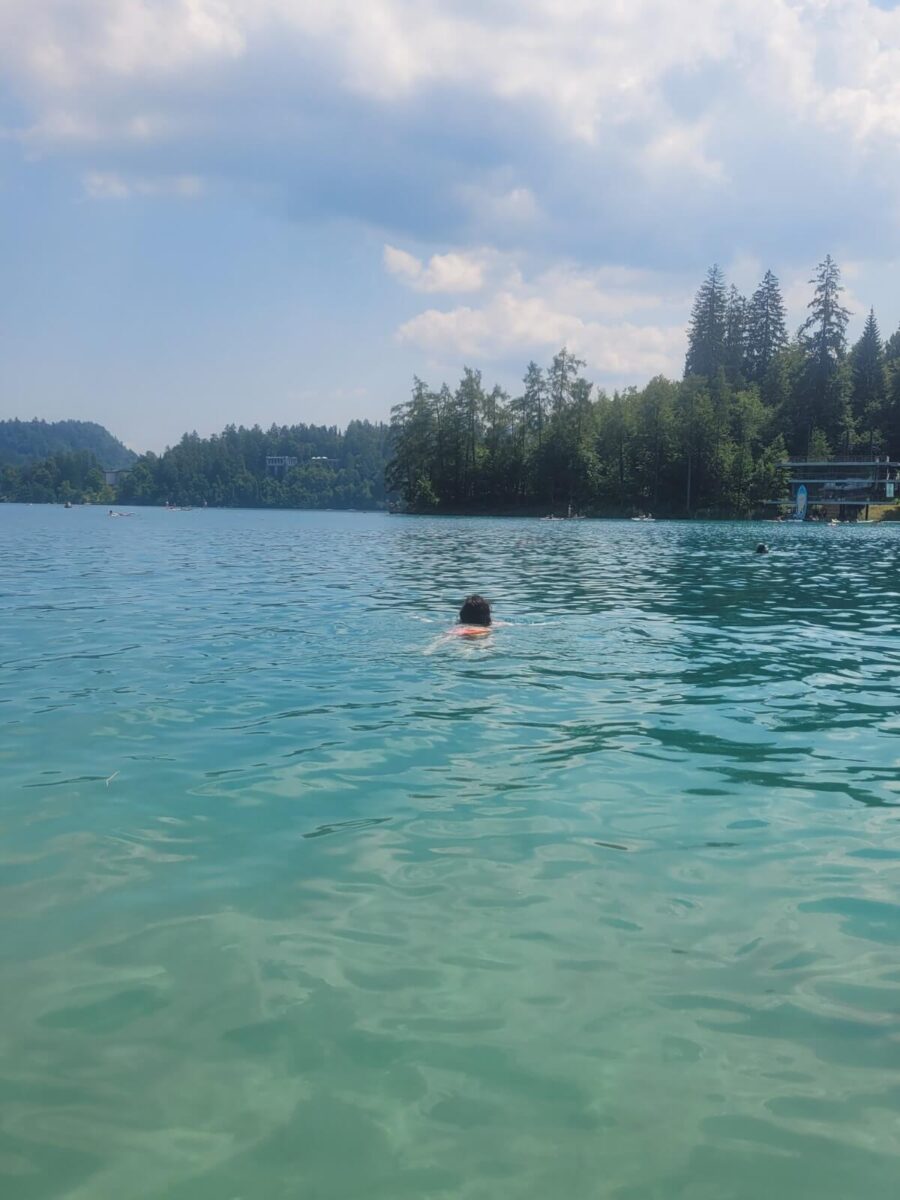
[[844, 460], [810, 480], [841, 497]]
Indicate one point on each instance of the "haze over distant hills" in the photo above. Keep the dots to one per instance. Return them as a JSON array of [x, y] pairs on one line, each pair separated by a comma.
[[28, 441]]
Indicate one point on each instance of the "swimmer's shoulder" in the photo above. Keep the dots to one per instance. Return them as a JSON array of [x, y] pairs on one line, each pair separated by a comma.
[[471, 631]]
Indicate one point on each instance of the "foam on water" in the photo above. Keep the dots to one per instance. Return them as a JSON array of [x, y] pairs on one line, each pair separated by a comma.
[[297, 901]]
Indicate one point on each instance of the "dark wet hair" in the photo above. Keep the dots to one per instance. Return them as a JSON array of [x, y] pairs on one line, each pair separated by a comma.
[[475, 611], [762, 548]]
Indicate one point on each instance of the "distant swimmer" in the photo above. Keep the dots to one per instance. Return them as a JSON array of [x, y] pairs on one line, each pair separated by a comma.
[[474, 617], [762, 548]]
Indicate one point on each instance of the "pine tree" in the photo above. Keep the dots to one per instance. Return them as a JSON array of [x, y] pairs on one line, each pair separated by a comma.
[[412, 437], [735, 336], [766, 327], [470, 406], [497, 422], [706, 332], [535, 400], [890, 419], [748, 420], [868, 374], [824, 331], [823, 336], [446, 455], [892, 348], [561, 378], [615, 444], [779, 386], [693, 412]]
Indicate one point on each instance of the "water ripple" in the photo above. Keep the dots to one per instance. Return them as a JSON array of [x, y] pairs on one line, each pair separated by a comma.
[[301, 898]]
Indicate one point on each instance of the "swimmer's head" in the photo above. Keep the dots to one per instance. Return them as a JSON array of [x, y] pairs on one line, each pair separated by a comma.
[[762, 548], [475, 611]]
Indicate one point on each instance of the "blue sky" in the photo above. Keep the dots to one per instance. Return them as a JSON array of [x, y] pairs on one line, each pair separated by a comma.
[[281, 210]]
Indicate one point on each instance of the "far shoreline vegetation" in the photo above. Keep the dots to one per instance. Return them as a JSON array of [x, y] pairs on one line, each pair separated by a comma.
[[707, 445]]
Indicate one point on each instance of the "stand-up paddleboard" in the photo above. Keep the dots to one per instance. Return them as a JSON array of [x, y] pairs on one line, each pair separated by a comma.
[[801, 503]]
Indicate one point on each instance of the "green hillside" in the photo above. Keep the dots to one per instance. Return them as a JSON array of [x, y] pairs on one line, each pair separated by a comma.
[[29, 441]]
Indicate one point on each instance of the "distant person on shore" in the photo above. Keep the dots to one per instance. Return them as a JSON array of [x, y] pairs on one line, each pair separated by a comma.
[[474, 617]]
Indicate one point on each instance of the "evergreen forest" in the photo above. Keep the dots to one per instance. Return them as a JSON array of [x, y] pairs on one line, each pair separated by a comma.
[[31, 441], [74, 476], [333, 469], [707, 444]]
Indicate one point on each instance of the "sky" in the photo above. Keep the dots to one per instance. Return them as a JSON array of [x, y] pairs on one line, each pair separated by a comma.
[[247, 211]]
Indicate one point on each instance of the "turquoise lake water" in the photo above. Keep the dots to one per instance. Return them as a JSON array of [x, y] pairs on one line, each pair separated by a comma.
[[298, 900]]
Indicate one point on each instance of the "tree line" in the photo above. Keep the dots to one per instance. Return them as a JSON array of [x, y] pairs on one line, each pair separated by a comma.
[[707, 443], [333, 469], [74, 476]]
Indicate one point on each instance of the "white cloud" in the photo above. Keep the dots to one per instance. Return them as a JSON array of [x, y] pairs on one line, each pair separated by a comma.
[[442, 273], [517, 325], [588, 312], [515, 208], [65, 45], [690, 129], [682, 147], [609, 291], [76, 130], [612, 291], [105, 185], [109, 185], [588, 65]]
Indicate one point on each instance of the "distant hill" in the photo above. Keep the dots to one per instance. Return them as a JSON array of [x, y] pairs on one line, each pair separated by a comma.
[[29, 441]]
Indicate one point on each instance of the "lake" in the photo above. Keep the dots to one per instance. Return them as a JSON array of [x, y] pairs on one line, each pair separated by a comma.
[[299, 900]]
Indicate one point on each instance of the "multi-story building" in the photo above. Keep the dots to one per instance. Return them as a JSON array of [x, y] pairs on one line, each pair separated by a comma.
[[277, 464], [851, 487]]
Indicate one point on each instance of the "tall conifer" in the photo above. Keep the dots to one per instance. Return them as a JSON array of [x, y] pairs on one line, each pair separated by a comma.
[[766, 327], [561, 377], [890, 417], [823, 336], [824, 332], [706, 332], [868, 374], [534, 400], [735, 346]]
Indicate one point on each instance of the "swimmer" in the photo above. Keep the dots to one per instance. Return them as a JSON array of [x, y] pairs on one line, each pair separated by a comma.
[[762, 548], [474, 617]]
